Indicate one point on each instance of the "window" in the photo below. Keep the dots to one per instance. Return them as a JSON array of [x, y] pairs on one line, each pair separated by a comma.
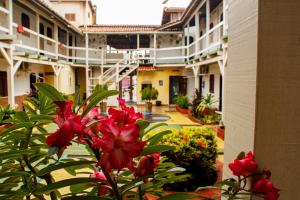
[[42, 29], [70, 16], [25, 20], [212, 83], [49, 32], [211, 25]]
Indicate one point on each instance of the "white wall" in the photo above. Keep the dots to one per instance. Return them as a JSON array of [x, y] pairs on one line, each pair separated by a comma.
[[78, 8], [66, 80]]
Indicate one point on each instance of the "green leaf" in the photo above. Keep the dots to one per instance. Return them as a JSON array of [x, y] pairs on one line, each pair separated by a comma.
[[9, 174], [65, 183], [49, 91], [52, 168], [155, 149], [241, 156], [22, 117], [17, 126], [142, 124], [154, 126], [157, 137], [97, 97], [80, 187], [15, 154], [41, 118], [185, 196]]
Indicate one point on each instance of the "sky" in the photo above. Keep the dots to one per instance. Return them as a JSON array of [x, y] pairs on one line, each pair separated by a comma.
[[133, 11]]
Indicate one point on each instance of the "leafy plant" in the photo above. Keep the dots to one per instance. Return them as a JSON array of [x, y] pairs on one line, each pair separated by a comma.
[[195, 103], [100, 88], [6, 113], [182, 101], [195, 150], [149, 94], [206, 105]]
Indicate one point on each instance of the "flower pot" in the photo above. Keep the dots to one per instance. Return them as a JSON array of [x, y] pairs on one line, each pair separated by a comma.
[[207, 112], [182, 110], [148, 107], [103, 107], [158, 103], [221, 132]]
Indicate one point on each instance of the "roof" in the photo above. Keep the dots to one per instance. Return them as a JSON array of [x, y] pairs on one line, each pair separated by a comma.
[[89, 1], [120, 28], [44, 6]]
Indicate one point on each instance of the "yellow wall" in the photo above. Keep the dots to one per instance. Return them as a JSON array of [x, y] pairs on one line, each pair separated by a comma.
[[163, 74], [81, 81], [49, 78]]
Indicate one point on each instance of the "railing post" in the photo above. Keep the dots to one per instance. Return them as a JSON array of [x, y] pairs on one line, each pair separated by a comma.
[[117, 73], [225, 23], [102, 65]]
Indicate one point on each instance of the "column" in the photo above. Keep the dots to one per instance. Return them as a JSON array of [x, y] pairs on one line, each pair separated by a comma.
[[155, 47], [197, 78], [38, 32], [188, 42], [10, 17], [262, 89], [55, 32], [207, 22], [11, 85], [197, 22], [225, 17]]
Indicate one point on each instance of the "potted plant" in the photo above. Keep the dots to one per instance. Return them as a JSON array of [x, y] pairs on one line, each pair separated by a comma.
[[206, 106], [103, 104], [182, 104], [149, 94]]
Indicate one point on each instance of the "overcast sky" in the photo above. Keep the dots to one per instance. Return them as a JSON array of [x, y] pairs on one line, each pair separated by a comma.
[[133, 11]]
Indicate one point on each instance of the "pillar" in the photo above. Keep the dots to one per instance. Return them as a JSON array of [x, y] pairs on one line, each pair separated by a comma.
[[262, 89], [207, 22]]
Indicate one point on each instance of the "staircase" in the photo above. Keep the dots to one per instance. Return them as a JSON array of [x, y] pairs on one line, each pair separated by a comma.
[[113, 75]]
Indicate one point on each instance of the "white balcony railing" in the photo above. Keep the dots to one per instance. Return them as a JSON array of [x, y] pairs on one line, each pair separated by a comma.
[[28, 42]]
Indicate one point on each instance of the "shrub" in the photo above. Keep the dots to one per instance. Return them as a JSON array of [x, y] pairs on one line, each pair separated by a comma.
[[211, 119], [149, 94], [182, 101], [195, 150]]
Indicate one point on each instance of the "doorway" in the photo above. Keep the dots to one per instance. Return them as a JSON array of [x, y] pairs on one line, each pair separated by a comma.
[[178, 86], [3, 84], [42, 32]]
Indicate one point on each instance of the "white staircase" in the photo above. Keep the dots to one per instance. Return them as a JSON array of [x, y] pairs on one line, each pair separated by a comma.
[[112, 76]]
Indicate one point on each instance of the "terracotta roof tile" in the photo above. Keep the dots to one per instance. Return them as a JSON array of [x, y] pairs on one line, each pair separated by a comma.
[[121, 28]]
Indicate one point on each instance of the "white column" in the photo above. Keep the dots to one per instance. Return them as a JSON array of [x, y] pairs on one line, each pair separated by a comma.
[[138, 41], [55, 32], [155, 47], [87, 51], [225, 17], [207, 22], [102, 65], [197, 78], [197, 23], [38, 32], [68, 53], [10, 16], [56, 76], [11, 84], [188, 41]]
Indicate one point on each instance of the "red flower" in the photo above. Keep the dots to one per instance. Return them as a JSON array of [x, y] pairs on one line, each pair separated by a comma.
[[100, 175], [119, 145], [185, 138], [201, 144], [245, 166], [69, 124], [266, 187], [125, 116], [92, 115], [147, 165]]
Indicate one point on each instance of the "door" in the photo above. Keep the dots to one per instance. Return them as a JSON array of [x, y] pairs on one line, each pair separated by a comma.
[[3, 84], [178, 86], [32, 81]]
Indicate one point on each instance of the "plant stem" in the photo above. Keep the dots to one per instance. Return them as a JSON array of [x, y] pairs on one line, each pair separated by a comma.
[[141, 193], [113, 185]]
